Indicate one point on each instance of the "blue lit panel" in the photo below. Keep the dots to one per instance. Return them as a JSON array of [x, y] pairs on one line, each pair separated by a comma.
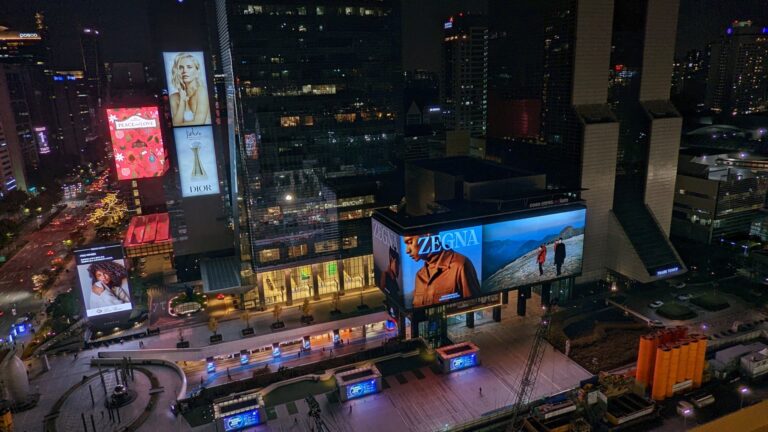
[[210, 367], [361, 389], [243, 359], [463, 362], [241, 421], [275, 350]]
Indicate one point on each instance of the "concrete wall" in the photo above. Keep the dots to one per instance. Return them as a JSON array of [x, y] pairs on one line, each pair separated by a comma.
[[621, 254], [664, 146], [659, 49], [591, 64]]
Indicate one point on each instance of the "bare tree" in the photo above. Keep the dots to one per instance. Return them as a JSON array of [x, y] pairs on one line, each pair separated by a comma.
[[336, 301], [277, 311], [213, 325], [245, 316]]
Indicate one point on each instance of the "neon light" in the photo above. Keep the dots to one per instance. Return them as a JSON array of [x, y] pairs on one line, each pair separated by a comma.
[[241, 421], [361, 389], [463, 362]]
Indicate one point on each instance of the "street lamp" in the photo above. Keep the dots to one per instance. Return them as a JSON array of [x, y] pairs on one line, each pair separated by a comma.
[[743, 391], [686, 413]]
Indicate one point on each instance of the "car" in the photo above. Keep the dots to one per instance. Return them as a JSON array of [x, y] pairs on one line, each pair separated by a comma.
[[50, 252], [684, 408], [702, 399], [684, 297], [656, 304], [680, 285], [220, 296], [656, 324], [49, 244], [2, 313]]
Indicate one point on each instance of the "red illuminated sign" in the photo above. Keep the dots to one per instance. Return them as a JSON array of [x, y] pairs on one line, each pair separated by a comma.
[[137, 142]]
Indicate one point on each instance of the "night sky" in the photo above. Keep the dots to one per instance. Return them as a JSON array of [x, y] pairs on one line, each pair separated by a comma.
[[124, 25]]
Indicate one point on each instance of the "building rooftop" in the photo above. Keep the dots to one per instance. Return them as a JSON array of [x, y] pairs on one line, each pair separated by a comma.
[[471, 169], [148, 229]]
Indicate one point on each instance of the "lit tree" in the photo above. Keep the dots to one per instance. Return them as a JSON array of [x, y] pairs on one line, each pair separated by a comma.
[[213, 325], [109, 213], [245, 316], [305, 307], [335, 301], [277, 311]]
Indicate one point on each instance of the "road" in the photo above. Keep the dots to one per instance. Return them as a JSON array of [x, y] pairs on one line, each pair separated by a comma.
[[16, 287]]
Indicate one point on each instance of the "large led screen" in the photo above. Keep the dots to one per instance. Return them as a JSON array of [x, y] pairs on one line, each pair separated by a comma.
[[448, 265], [187, 88], [137, 143], [197, 161], [103, 279], [41, 136]]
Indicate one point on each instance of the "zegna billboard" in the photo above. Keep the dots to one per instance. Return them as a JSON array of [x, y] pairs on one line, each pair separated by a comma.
[[449, 265]]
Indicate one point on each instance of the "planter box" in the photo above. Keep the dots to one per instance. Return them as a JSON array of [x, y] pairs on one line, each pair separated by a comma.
[[184, 344], [216, 338], [307, 319], [246, 331], [277, 325]]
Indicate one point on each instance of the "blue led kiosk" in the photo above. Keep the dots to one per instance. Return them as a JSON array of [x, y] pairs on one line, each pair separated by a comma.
[[358, 382], [459, 356], [242, 411]]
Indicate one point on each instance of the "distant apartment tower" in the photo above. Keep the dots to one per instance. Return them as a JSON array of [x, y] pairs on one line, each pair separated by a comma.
[[738, 73], [614, 134], [314, 101], [464, 73], [73, 109], [15, 132]]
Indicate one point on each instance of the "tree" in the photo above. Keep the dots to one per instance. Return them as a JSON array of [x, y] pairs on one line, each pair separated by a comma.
[[276, 311], [335, 301], [109, 213], [245, 316], [154, 292], [13, 201], [213, 325], [305, 308]]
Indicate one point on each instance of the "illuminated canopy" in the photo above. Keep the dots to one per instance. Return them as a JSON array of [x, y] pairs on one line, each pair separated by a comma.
[[148, 230]]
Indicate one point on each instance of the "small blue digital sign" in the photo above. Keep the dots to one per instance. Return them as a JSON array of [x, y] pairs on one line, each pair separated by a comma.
[[463, 362], [361, 389], [275, 350], [244, 358], [241, 421], [210, 366]]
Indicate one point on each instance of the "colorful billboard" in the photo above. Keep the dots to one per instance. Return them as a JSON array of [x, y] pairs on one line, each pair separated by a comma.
[[137, 143], [186, 81], [449, 265], [103, 279], [197, 161], [41, 137]]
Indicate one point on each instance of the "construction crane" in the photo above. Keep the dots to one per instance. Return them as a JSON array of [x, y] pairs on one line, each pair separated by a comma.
[[532, 365]]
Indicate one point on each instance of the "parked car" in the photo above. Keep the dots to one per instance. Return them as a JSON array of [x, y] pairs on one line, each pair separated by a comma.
[[684, 408], [684, 297], [656, 304], [655, 324], [680, 285], [702, 399]]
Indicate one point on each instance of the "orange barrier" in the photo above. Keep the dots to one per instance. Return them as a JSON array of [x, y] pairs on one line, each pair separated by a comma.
[[682, 367], [693, 355], [674, 362], [659, 389], [644, 358], [701, 353]]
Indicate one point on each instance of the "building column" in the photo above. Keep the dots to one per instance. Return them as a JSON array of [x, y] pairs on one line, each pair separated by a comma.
[[365, 330], [521, 303], [340, 274], [470, 319], [288, 287], [505, 297], [260, 288], [497, 313], [366, 271], [546, 294], [315, 284]]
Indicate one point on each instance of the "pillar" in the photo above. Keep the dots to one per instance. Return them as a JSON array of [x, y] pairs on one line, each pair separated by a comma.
[[520, 303], [546, 297], [340, 275], [315, 284], [470, 319], [287, 284], [366, 271], [505, 297], [497, 313], [260, 288]]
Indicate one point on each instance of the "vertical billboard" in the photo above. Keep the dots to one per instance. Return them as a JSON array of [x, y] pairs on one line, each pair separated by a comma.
[[450, 265], [103, 279], [186, 81], [41, 137], [137, 143], [197, 161]]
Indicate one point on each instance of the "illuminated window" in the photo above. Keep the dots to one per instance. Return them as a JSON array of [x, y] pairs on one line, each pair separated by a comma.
[[308, 121], [268, 255], [326, 246], [302, 28], [253, 10], [320, 10], [289, 121], [301, 10], [349, 215], [135, 193], [137, 202], [134, 183], [297, 251], [349, 11], [345, 118], [349, 242]]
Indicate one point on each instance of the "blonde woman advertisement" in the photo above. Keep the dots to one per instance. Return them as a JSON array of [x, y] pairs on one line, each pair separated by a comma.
[[186, 86]]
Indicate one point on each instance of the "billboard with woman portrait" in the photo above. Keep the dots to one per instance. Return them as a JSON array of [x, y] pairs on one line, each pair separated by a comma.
[[186, 81], [103, 279]]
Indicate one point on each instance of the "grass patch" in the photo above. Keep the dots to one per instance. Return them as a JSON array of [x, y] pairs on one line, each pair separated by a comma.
[[271, 413], [298, 390], [333, 397], [291, 407], [750, 292], [676, 311], [402, 364], [616, 348], [711, 302]]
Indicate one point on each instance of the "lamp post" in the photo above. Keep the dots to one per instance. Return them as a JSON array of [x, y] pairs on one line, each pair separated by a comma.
[[686, 413], [743, 391]]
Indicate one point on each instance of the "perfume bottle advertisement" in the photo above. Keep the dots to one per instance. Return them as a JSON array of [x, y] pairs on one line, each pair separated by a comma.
[[197, 161]]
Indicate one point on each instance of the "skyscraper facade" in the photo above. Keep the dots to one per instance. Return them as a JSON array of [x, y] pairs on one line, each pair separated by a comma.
[[313, 101], [464, 74], [738, 73]]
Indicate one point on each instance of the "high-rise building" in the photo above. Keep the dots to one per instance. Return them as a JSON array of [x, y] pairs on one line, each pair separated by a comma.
[[612, 130], [313, 100], [464, 74], [73, 111], [15, 132], [738, 72]]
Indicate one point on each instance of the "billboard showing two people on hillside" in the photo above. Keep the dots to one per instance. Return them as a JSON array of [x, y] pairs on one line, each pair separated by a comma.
[[438, 267]]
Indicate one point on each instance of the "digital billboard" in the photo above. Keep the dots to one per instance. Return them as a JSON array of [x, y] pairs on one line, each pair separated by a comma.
[[196, 156], [41, 137], [103, 279], [450, 265], [186, 80], [137, 143]]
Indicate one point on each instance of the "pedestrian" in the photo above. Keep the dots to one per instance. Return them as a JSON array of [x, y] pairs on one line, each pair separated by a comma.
[[481, 391], [102, 414], [76, 354], [323, 349], [350, 408], [295, 420], [299, 353]]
